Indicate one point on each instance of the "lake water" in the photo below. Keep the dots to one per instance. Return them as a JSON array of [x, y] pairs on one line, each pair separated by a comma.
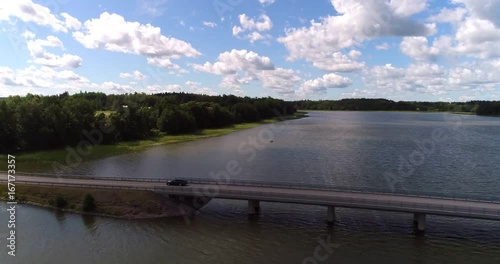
[[450, 155]]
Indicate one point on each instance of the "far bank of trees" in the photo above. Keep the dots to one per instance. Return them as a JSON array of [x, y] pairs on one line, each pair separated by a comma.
[[476, 107], [34, 122], [489, 109]]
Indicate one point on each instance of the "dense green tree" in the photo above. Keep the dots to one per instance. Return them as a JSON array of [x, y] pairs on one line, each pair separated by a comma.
[[174, 121], [199, 110], [55, 121], [30, 124], [219, 116], [388, 105], [60, 201], [9, 140], [80, 116], [34, 122], [489, 108], [245, 112], [89, 203]]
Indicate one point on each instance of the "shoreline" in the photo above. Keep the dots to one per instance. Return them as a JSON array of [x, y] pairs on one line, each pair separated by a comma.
[[43, 160], [119, 204]]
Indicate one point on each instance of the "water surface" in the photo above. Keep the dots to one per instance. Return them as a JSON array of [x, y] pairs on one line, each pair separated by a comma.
[[346, 149]]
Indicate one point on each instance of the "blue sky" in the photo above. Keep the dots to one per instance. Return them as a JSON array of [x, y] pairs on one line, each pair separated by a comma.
[[396, 49]]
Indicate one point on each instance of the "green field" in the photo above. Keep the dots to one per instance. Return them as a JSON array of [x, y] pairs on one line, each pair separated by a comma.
[[106, 113], [44, 160]]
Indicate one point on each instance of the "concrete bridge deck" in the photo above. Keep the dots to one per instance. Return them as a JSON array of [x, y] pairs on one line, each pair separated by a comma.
[[420, 206]]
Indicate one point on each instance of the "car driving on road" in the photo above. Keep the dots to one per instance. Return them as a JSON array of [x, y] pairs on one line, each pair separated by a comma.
[[177, 182]]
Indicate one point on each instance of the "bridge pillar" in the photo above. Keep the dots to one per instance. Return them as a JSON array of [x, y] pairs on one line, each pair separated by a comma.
[[419, 220], [331, 213], [253, 207]]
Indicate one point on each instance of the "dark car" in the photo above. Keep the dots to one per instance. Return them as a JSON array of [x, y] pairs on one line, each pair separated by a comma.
[[177, 183]]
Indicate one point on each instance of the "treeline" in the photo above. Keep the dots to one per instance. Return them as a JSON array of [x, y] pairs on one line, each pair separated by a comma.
[[477, 107], [489, 109], [36, 122]]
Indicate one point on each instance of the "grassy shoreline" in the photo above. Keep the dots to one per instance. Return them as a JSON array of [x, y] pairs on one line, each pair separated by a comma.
[[43, 160], [124, 204]]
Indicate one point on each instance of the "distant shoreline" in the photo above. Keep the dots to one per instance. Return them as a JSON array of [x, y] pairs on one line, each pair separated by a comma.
[[395, 111]]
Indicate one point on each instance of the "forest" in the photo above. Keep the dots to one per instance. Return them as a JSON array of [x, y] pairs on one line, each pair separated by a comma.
[[474, 107], [34, 122]]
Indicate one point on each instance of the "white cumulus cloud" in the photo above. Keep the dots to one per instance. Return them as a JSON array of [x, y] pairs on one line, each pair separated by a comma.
[[136, 75], [357, 21], [253, 27], [320, 85], [418, 49], [209, 24], [267, 2], [42, 57], [27, 11], [112, 32]]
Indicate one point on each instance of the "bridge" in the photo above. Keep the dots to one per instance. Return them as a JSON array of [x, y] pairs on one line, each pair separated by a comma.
[[254, 192]]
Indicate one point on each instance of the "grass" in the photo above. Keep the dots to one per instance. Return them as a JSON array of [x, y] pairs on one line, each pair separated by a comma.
[[464, 113], [118, 203], [44, 160], [106, 113]]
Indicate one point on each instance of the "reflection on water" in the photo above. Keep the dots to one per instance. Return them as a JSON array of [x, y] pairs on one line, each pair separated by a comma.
[[346, 149], [90, 223], [60, 216]]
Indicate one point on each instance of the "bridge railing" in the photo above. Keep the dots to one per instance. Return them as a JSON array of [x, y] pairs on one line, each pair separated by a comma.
[[290, 185], [383, 204]]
